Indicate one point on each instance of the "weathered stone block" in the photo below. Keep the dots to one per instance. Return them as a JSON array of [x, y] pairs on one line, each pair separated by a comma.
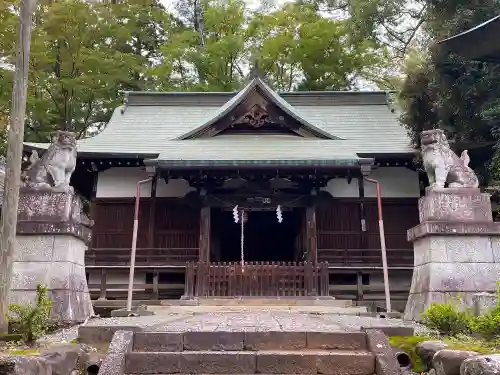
[[122, 342], [96, 335], [158, 342], [385, 358], [442, 248], [275, 340], [352, 363], [459, 204], [292, 363], [455, 277], [190, 363], [451, 267], [426, 350], [24, 365], [448, 362], [56, 261], [113, 364], [481, 365], [224, 341], [336, 340], [484, 302]]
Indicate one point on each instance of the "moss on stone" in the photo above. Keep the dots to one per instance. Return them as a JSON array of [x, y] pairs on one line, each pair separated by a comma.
[[408, 344], [29, 352]]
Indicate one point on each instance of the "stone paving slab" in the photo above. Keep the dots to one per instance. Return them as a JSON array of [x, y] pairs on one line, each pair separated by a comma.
[[256, 321]]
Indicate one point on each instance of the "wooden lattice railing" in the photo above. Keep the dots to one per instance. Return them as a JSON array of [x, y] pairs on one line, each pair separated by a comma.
[[256, 279]]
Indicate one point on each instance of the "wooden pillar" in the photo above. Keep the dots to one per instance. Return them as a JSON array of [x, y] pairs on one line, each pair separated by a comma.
[[359, 286], [204, 244], [92, 213], [102, 292], [156, 276], [362, 214], [152, 211], [311, 234]]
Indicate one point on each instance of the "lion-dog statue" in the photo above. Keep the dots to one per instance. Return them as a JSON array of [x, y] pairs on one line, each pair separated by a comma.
[[442, 165], [53, 170]]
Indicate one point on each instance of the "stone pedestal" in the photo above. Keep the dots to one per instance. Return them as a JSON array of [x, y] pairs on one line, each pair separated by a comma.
[[456, 249], [51, 243]]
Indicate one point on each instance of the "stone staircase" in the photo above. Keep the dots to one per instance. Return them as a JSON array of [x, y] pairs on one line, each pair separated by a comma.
[[334, 353]]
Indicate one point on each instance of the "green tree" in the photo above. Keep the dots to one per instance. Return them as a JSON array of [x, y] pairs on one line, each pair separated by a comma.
[[206, 55], [83, 54], [443, 90]]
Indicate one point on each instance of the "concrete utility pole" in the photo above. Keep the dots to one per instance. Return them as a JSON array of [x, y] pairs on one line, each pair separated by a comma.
[[14, 156]]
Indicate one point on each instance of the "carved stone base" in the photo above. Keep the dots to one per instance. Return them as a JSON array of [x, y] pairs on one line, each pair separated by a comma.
[[452, 268], [455, 205], [50, 249]]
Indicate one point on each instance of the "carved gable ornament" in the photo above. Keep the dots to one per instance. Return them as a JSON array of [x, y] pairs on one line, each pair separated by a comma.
[[257, 106], [256, 117]]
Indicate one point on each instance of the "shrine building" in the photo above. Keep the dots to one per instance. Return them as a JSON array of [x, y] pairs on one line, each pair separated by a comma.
[[289, 166]]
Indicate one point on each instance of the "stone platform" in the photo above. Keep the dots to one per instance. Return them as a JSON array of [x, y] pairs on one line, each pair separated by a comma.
[[99, 331], [236, 343]]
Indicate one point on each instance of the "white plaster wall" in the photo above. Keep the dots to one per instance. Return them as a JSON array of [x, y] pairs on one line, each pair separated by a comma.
[[395, 182], [122, 183], [174, 189]]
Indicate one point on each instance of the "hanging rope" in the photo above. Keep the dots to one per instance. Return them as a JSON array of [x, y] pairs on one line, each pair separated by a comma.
[[242, 239]]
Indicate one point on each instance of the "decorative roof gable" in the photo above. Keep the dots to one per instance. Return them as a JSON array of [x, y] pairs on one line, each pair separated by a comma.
[[257, 108]]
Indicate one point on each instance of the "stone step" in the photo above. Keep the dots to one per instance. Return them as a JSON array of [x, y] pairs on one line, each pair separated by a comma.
[[264, 301], [333, 362], [247, 341]]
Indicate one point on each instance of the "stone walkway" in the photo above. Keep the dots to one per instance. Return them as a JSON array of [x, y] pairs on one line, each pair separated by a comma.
[[238, 321]]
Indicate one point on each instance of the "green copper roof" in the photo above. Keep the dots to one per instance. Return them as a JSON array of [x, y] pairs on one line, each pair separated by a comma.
[[272, 95], [154, 124], [238, 150]]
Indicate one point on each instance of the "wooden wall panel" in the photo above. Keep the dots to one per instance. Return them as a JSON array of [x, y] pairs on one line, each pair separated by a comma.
[[176, 224], [339, 223]]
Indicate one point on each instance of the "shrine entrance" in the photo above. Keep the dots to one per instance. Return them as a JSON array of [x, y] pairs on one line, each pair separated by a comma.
[[265, 239]]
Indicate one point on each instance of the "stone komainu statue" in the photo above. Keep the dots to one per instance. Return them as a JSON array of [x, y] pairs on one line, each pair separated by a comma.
[[442, 165], [53, 170]]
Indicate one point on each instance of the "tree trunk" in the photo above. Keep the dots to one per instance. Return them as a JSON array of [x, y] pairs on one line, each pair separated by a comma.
[[14, 156]]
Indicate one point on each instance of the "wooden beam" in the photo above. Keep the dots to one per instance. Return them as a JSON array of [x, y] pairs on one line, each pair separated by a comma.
[[205, 234], [311, 234]]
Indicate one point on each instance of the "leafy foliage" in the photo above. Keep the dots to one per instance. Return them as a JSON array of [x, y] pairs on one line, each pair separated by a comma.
[[446, 318], [84, 53], [32, 320], [444, 91], [488, 325]]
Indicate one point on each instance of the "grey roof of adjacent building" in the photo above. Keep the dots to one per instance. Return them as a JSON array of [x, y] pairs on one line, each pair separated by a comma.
[[154, 123], [477, 43]]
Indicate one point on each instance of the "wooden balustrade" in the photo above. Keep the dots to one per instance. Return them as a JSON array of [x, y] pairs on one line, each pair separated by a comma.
[[256, 279], [366, 257], [143, 257]]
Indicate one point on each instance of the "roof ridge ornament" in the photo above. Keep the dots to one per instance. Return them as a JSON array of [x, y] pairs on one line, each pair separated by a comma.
[[125, 103]]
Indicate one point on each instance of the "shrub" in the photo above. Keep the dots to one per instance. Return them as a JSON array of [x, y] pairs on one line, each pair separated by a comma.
[[488, 325], [447, 319], [32, 320]]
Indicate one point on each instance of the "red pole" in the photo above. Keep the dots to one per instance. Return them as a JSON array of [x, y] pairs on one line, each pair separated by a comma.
[[134, 243], [382, 244]]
